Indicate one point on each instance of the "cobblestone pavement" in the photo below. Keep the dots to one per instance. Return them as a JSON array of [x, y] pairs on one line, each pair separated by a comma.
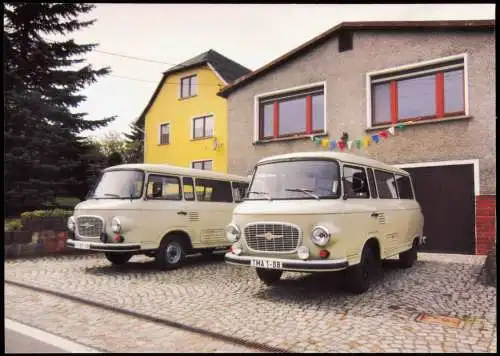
[[300, 313]]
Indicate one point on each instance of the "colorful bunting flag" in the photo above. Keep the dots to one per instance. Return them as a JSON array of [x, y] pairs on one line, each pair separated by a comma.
[[364, 141]]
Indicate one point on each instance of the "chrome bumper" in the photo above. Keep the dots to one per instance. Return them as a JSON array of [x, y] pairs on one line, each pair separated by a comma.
[[99, 246], [292, 265]]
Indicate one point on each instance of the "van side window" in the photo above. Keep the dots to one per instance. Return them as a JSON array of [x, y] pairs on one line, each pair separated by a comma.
[[213, 190], [355, 182], [164, 188], [404, 187], [386, 185], [239, 191], [188, 187], [371, 180]]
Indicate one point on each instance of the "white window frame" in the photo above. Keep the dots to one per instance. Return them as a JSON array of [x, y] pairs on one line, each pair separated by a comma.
[[202, 160], [416, 65], [169, 123], [260, 96], [180, 85], [191, 128]]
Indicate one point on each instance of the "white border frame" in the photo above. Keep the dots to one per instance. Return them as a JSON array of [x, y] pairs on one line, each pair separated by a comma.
[[285, 91], [169, 123], [191, 127], [368, 81]]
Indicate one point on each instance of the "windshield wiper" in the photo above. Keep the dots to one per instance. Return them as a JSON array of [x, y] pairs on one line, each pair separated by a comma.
[[261, 193], [306, 191], [112, 195]]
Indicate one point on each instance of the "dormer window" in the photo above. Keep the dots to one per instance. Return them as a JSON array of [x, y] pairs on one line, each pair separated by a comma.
[[189, 86]]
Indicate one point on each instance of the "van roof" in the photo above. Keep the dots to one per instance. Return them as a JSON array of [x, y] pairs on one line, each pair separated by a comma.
[[182, 171], [341, 156]]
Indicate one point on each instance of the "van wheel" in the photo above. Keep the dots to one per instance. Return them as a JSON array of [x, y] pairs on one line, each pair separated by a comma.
[[171, 253], [358, 276], [269, 276], [118, 258], [408, 258]]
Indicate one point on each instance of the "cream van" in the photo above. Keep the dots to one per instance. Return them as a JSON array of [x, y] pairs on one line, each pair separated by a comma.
[[161, 211], [325, 211]]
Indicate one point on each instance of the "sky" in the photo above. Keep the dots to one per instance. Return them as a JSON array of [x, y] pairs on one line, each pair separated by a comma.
[[250, 34]]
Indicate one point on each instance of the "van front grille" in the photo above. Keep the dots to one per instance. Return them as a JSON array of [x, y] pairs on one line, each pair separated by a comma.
[[272, 237], [89, 226]]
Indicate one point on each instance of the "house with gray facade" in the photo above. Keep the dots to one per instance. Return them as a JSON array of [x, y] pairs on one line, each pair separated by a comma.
[[359, 78]]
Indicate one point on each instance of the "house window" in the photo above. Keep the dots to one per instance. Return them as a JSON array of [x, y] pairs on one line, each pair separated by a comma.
[[189, 86], [345, 41], [293, 113], [420, 93], [203, 127], [164, 134], [205, 165]]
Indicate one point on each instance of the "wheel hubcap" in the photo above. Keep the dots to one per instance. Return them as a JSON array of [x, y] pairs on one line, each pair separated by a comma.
[[173, 253]]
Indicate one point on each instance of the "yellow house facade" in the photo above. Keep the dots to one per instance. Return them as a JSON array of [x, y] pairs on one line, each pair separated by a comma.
[[185, 122]]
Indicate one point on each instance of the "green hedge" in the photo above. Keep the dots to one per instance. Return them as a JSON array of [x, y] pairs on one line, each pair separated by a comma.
[[46, 213], [13, 225]]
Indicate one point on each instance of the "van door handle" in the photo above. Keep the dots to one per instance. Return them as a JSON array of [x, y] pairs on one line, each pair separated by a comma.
[[181, 213], [374, 215]]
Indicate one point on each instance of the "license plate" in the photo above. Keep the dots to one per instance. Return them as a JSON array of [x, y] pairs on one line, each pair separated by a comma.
[[84, 245], [269, 264]]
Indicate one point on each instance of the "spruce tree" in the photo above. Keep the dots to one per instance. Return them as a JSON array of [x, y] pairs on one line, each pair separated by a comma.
[[44, 151], [135, 144]]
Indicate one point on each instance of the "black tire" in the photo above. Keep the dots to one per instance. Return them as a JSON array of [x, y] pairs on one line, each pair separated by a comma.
[[171, 253], [269, 276], [118, 258], [408, 258], [357, 278]]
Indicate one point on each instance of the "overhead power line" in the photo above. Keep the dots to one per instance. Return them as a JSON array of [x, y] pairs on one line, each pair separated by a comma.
[[132, 57]]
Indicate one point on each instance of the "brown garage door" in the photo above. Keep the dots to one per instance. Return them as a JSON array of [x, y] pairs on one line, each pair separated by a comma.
[[446, 194]]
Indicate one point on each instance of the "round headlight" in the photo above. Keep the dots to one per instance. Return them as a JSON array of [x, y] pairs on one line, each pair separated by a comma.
[[320, 236], [71, 223], [232, 233], [115, 225], [303, 252]]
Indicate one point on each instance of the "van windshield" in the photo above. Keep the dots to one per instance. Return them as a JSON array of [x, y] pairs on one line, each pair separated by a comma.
[[119, 184], [298, 179]]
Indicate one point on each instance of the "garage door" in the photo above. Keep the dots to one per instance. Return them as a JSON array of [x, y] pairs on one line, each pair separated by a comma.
[[446, 194]]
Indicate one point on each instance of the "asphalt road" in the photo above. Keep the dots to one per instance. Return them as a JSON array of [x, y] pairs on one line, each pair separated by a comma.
[[21, 338]]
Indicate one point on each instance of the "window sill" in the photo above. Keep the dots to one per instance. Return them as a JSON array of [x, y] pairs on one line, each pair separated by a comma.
[[290, 138], [420, 122], [163, 144], [187, 97], [202, 138]]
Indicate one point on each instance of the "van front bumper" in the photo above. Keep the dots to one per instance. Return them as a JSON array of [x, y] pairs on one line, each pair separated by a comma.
[[291, 265], [105, 247]]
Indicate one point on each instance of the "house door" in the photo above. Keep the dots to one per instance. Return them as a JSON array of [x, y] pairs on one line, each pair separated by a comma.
[[446, 195]]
